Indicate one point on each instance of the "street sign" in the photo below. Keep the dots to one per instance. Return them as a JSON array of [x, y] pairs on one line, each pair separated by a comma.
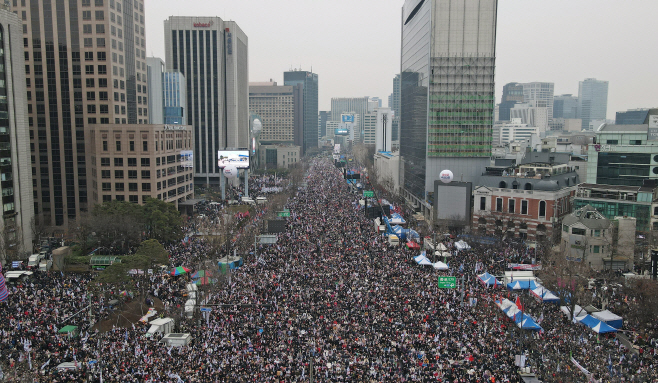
[[368, 193], [447, 282], [205, 309], [283, 214]]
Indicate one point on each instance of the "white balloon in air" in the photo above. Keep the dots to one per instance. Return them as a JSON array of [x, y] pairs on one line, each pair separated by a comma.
[[446, 176], [230, 171]]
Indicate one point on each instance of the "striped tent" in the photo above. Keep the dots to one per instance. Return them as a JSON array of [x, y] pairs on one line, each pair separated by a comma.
[[3, 287]]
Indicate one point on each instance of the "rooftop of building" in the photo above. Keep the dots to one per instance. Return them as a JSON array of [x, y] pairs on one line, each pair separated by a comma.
[[588, 216], [607, 128]]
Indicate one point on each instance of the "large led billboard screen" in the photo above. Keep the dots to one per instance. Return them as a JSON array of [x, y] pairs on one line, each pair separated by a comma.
[[238, 158]]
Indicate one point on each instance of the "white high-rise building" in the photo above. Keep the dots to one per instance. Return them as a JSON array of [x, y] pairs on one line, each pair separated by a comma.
[[506, 132], [213, 56], [155, 68], [540, 91], [531, 113]]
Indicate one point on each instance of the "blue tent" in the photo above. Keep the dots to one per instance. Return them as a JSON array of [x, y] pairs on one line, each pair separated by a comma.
[[489, 279], [526, 322], [596, 325], [522, 285]]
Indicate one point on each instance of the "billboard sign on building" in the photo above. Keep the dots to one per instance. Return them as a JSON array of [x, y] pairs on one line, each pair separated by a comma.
[[337, 148], [186, 158], [653, 128], [238, 158], [341, 132], [347, 118]]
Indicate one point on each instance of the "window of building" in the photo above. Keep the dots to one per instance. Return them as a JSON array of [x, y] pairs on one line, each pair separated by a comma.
[[132, 174], [499, 205], [635, 142], [91, 96], [596, 249], [542, 208], [132, 161], [103, 96], [577, 231], [565, 228], [524, 207], [612, 142], [597, 233], [106, 186], [118, 162], [100, 28], [105, 146], [105, 174], [511, 205], [146, 162], [89, 82], [100, 15], [105, 161], [118, 186], [107, 198], [483, 203], [146, 187], [91, 108], [145, 146], [146, 174], [86, 15], [86, 28]]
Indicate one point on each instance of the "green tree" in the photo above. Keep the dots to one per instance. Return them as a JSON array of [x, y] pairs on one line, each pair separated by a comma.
[[163, 222], [154, 252], [118, 224]]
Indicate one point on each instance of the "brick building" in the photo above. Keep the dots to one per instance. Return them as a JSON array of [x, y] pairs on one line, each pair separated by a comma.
[[528, 201], [132, 162]]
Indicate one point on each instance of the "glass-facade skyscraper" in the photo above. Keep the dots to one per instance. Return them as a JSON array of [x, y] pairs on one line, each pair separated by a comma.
[[592, 101], [447, 91], [174, 98], [309, 80], [565, 106]]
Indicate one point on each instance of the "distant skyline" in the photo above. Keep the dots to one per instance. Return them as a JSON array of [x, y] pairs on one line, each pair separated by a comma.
[[354, 46]]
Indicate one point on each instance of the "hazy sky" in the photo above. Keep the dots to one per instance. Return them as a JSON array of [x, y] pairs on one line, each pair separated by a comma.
[[354, 45]]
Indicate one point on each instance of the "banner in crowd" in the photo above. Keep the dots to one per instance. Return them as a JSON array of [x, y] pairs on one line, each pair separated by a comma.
[[523, 266], [3, 287]]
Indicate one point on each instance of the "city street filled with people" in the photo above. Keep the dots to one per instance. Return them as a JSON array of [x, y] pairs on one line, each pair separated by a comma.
[[331, 301]]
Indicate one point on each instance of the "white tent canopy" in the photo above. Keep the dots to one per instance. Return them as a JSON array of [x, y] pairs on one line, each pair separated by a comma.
[[461, 245], [578, 310], [441, 247], [440, 266]]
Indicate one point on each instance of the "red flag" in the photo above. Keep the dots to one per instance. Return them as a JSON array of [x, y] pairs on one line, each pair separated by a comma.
[[495, 282], [518, 303]]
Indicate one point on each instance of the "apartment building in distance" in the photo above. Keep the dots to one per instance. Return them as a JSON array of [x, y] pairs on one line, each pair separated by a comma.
[[85, 64], [132, 162]]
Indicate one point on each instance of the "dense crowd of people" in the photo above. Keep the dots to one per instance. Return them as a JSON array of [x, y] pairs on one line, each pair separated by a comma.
[[330, 299]]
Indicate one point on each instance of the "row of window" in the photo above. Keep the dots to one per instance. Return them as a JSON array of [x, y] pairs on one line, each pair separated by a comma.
[[132, 174], [580, 231], [131, 161], [512, 206], [119, 186]]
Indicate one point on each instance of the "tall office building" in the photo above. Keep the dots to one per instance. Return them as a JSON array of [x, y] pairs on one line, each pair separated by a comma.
[[86, 67], [565, 106], [309, 82], [15, 168], [174, 98], [356, 105], [592, 101], [275, 105], [447, 91], [512, 94], [323, 117], [213, 56], [394, 98], [155, 68], [540, 91]]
